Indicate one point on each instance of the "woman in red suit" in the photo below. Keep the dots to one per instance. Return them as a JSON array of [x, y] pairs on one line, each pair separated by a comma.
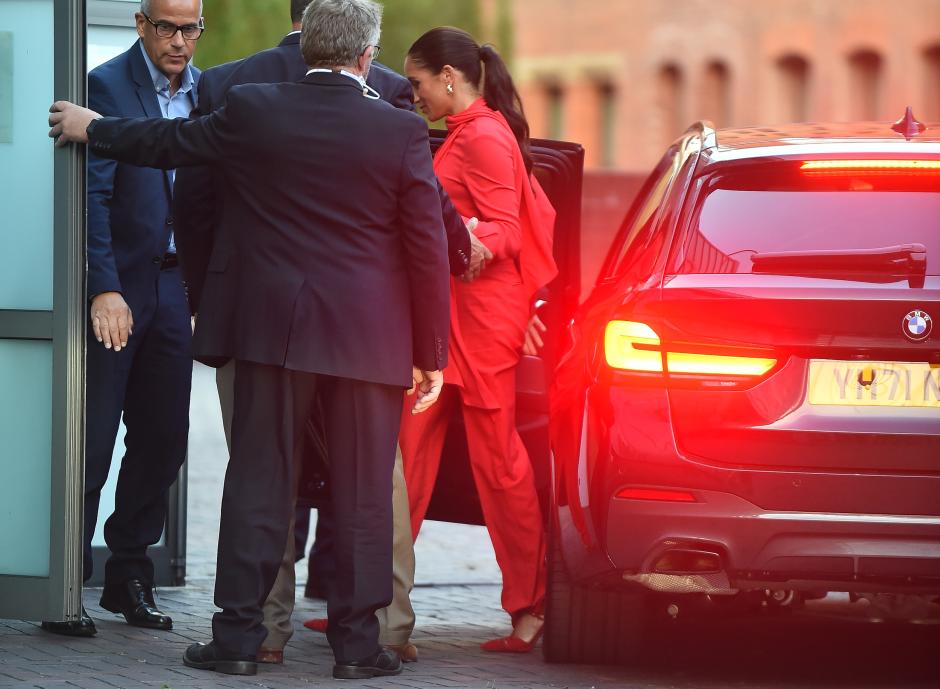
[[484, 166]]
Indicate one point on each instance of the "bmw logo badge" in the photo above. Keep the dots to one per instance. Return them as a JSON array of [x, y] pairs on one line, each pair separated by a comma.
[[917, 326]]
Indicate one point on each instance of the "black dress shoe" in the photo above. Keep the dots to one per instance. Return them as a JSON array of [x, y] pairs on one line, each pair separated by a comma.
[[83, 626], [134, 600], [383, 663], [211, 657]]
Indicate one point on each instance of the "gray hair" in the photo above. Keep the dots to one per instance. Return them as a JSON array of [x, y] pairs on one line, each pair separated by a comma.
[[145, 7], [334, 33]]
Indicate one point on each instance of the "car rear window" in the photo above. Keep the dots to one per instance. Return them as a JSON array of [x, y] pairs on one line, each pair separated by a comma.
[[762, 211]]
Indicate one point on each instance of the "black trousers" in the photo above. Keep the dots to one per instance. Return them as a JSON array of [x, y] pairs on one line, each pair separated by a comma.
[[361, 422], [149, 383], [321, 570]]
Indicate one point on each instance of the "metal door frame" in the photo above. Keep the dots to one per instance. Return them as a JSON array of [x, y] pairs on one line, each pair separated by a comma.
[[58, 596]]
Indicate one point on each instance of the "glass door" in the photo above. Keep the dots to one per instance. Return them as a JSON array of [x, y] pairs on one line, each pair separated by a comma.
[[42, 312]]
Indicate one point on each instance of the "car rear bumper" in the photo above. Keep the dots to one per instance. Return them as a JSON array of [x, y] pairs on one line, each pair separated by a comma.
[[757, 548]]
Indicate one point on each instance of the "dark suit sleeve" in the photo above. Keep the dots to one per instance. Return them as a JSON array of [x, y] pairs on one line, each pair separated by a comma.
[[392, 87], [458, 238], [194, 207], [168, 144], [425, 245], [403, 96], [102, 269]]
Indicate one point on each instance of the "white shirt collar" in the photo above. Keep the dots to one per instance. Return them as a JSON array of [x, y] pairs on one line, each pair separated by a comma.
[[355, 77]]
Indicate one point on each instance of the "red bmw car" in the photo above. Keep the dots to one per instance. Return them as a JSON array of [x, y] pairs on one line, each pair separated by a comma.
[[749, 401]]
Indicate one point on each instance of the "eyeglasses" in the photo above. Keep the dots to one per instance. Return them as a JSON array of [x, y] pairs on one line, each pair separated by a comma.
[[376, 49], [191, 32]]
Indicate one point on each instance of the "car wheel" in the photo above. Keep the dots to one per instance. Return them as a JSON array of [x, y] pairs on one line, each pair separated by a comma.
[[586, 625]]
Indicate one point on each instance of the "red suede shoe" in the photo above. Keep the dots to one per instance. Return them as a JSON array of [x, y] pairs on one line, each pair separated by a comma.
[[317, 624], [513, 644]]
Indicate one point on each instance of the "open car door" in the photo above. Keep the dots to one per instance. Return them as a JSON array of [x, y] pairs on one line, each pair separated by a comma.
[[559, 167]]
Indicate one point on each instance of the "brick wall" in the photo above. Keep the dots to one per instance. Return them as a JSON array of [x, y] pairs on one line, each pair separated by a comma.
[[667, 63]]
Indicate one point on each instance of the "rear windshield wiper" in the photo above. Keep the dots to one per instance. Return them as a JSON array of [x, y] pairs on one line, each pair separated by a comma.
[[902, 260]]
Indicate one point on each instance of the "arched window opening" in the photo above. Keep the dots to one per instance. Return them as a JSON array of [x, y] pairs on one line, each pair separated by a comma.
[[607, 123], [669, 102], [555, 102], [865, 68], [932, 84], [716, 94], [793, 73]]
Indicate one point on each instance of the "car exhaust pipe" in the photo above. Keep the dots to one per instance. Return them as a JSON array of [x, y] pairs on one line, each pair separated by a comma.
[[678, 567], [688, 561]]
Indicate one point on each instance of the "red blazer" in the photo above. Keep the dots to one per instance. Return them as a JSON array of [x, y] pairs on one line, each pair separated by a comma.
[[482, 170]]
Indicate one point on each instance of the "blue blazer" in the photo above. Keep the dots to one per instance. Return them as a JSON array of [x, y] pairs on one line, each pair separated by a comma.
[[129, 207]]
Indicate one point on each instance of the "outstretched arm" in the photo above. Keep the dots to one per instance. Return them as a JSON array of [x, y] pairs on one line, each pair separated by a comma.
[[154, 142]]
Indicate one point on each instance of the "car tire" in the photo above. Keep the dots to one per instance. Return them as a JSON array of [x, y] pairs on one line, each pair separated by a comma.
[[588, 625]]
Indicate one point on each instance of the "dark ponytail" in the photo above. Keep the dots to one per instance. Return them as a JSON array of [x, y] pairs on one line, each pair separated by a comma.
[[501, 95], [449, 46]]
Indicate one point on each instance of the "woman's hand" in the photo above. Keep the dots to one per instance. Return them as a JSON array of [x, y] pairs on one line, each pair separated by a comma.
[[533, 337]]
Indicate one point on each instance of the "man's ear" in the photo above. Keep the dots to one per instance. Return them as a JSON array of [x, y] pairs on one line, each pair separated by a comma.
[[140, 21], [363, 62]]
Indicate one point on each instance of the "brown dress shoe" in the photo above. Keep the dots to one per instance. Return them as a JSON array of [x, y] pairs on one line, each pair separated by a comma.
[[270, 655], [408, 652]]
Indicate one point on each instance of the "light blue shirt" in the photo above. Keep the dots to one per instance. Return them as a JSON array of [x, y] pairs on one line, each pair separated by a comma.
[[178, 104]]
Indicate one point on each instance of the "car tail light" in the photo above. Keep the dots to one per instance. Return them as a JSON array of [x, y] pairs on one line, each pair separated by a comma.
[[875, 165], [655, 494], [633, 347]]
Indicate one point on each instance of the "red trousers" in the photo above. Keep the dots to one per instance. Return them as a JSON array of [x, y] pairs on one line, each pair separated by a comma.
[[504, 480]]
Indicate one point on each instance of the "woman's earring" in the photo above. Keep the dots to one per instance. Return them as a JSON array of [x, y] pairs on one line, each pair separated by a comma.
[[450, 89]]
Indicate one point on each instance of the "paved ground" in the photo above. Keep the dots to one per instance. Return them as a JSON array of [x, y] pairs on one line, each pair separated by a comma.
[[821, 648], [831, 644], [122, 656]]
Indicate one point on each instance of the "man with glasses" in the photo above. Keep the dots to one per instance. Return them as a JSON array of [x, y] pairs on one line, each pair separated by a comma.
[[139, 361]]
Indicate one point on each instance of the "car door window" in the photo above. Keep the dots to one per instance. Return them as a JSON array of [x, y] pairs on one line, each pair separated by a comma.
[[637, 231]]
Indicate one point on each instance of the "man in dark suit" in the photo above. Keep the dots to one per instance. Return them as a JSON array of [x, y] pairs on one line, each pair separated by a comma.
[[340, 265], [198, 191], [139, 360], [197, 198]]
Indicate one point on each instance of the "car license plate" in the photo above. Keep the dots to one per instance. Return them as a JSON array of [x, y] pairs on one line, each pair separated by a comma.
[[874, 383]]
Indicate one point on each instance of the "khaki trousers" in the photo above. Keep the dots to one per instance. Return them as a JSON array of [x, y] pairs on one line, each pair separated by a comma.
[[397, 621]]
